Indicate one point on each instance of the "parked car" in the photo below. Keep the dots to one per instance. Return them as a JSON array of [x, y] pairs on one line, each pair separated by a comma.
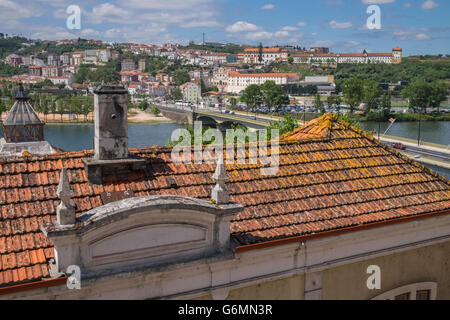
[[399, 146]]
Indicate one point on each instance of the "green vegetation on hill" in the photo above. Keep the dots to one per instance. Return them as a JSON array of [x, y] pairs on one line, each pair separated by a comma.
[[42, 49], [7, 71], [228, 48], [408, 70], [11, 45], [98, 74]]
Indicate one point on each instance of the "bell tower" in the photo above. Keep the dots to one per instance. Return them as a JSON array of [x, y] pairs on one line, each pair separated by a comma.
[[397, 55]]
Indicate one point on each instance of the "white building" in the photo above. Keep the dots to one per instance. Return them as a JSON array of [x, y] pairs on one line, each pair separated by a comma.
[[192, 92], [237, 82], [394, 57], [268, 55]]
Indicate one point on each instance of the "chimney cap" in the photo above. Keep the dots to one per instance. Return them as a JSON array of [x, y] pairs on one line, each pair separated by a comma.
[[110, 89]]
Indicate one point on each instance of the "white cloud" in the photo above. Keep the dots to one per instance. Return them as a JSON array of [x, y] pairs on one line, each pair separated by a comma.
[[377, 1], [430, 4], [289, 28], [301, 24], [242, 26], [340, 25], [268, 6], [422, 36], [407, 5], [351, 44], [412, 34]]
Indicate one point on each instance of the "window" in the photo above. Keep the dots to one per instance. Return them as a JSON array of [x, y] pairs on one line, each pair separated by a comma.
[[415, 291], [423, 295]]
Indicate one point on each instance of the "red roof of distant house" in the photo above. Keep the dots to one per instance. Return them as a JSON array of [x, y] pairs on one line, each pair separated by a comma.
[[265, 75], [267, 50]]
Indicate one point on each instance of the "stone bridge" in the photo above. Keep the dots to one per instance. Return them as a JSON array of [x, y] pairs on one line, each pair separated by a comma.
[[211, 119]]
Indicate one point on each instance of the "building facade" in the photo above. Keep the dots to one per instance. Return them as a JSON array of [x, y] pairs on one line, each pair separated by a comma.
[[395, 57], [266, 56], [192, 92], [236, 82]]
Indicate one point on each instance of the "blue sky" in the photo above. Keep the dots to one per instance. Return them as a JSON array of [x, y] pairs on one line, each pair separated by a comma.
[[418, 26]]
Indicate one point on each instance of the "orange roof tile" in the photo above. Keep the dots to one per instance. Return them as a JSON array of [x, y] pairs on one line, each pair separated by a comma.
[[267, 75], [331, 177]]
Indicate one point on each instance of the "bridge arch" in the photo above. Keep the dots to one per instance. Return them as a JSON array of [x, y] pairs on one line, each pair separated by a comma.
[[207, 121]]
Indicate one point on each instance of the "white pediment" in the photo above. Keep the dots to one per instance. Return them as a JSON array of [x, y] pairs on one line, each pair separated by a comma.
[[155, 237], [143, 231]]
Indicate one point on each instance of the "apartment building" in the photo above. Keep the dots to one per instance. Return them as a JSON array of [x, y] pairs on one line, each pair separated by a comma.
[[51, 71], [192, 92], [77, 58], [128, 65], [35, 71]]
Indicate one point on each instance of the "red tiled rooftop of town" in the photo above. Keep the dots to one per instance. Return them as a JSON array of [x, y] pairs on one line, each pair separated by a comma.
[[332, 177]]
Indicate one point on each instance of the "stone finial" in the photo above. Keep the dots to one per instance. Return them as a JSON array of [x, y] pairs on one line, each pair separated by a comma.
[[220, 193], [65, 212]]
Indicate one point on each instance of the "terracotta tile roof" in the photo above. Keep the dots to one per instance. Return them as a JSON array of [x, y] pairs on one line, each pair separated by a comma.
[[331, 176], [266, 50], [380, 54], [263, 75]]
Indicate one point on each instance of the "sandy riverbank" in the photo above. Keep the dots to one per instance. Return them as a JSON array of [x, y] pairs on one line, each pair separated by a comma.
[[138, 116], [134, 116]]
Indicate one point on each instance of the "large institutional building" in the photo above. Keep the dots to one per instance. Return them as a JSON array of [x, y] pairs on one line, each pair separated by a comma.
[[395, 57], [265, 55], [343, 217], [237, 82]]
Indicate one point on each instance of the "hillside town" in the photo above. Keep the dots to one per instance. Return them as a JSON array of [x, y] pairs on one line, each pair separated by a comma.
[[225, 72]]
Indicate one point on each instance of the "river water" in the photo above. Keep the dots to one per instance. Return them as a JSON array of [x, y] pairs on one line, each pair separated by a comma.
[[431, 131], [76, 137]]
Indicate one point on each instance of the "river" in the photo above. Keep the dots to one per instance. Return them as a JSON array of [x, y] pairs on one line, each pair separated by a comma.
[[75, 137], [431, 131]]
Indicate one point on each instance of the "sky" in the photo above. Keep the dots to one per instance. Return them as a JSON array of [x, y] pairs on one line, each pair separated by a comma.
[[417, 26]]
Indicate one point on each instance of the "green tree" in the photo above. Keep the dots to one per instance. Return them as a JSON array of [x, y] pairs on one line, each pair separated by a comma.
[[290, 60], [155, 110], [386, 104], [288, 124], [274, 95], [180, 77], [252, 96], [2, 108], [233, 103], [177, 94], [61, 108], [419, 94], [333, 99], [371, 94], [439, 91], [318, 104], [260, 53], [143, 105], [353, 90]]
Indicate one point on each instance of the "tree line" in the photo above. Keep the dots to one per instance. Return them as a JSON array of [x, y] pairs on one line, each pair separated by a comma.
[[269, 92], [46, 104]]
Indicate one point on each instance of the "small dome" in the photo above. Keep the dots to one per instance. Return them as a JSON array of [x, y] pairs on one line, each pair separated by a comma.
[[21, 113]]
